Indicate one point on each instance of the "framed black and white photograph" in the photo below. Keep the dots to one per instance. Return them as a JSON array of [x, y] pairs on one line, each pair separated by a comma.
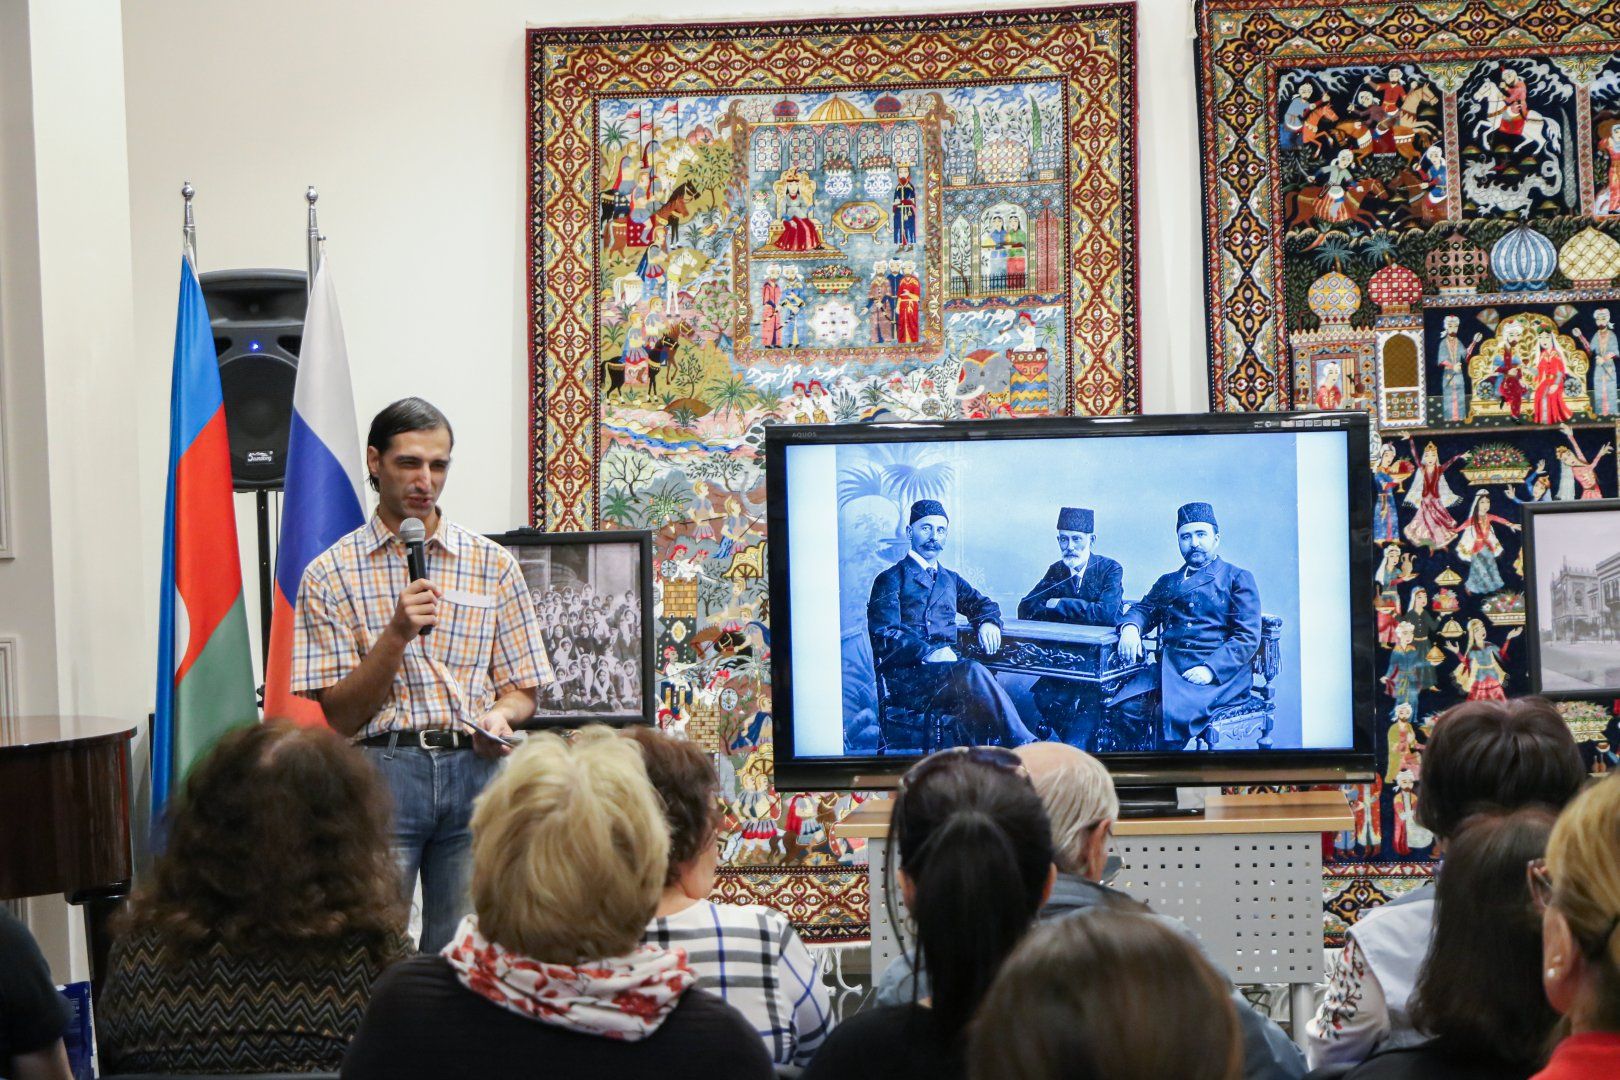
[[592, 592], [1572, 604]]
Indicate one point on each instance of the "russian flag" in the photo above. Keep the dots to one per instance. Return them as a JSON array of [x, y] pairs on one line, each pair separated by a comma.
[[324, 499], [205, 666]]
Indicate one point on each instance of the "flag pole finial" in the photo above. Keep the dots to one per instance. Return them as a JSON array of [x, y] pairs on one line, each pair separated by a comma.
[[189, 229], [314, 238]]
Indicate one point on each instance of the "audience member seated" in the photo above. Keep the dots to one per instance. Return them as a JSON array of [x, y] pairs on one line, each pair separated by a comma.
[[1081, 805], [1482, 754], [975, 865], [1578, 888], [750, 956], [1113, 996], [1478, 995], [33, 1015], [548, 976], [274, 908]]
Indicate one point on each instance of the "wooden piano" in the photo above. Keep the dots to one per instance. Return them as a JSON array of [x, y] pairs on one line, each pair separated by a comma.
[[64, 798]]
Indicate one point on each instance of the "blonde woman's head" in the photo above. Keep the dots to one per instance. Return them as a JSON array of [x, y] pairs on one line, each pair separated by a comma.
[[570, 847], [1580, 939]]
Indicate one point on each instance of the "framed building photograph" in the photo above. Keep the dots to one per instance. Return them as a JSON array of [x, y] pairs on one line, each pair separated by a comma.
[[592, 592], [1572, 603]]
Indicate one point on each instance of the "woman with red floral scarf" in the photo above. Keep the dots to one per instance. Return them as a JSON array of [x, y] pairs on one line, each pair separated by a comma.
[[548, 976]]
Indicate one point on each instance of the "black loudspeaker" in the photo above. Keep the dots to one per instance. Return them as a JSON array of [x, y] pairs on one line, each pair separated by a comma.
[[258, 323]]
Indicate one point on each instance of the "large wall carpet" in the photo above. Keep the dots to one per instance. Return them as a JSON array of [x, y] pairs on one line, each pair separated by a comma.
[[1414, 209], [834, 220], [1449, 595], [1370, 168]]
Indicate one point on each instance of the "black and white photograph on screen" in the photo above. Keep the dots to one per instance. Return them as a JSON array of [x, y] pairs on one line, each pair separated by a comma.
[[1572, 551], [590, 593], [1051, 589]]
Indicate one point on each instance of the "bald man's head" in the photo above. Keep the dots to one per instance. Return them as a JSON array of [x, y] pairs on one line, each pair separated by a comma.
[[1078, 794]]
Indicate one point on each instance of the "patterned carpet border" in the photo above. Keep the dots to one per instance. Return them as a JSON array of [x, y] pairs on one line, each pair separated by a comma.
[[826, 905]]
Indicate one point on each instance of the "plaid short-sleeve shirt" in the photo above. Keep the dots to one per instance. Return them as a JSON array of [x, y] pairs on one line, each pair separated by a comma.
[[486, 643]]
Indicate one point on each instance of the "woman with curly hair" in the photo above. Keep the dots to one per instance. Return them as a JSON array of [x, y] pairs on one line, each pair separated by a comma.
[[267, 919]]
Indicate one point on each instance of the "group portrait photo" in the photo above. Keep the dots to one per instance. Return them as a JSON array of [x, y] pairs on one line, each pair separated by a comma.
[[588, 596]]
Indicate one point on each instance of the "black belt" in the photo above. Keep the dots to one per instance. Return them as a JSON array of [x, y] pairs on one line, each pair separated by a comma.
[[435, 739]]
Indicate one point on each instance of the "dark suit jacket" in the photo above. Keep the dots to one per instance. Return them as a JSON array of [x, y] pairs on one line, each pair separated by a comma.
[[1094, 600], [1211, 618], [908, 620]]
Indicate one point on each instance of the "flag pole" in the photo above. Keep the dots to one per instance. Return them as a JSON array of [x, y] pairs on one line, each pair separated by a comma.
[[314, 237], [322, 491], [189, 231]]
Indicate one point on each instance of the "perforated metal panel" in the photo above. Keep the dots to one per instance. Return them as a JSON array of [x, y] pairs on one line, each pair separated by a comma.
[[885, 894], [1253, 900]]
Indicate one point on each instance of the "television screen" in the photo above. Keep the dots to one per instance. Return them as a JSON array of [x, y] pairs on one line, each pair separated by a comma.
[[1149, 589]]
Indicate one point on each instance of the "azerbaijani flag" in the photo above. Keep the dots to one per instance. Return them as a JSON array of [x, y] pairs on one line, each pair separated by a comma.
[[205, 666], [324, 499]]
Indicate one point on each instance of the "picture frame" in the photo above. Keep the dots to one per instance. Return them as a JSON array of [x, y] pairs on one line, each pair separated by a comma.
[[8, 680], [604, 672], [6, 550], [1572, 597]]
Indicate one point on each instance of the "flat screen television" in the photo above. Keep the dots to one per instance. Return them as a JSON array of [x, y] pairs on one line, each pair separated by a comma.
[[1185, 596]]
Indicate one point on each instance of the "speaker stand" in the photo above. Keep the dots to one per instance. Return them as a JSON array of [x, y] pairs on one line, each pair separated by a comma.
[[261, 499]]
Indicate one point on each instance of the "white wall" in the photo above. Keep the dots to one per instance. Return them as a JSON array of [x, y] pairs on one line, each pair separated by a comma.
[[410, 118], [76, 595], [91, 366], [27, 596]]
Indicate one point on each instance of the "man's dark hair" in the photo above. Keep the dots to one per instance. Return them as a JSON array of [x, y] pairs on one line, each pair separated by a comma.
[[1502, 754], [684, 778], [406, 414], [1479, 989]]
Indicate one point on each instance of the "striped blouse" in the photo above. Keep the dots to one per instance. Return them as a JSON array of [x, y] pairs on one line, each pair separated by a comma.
[[219, 1012]]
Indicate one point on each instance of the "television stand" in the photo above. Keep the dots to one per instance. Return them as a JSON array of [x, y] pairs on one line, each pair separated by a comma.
[[1152, 802], [1245, 877]]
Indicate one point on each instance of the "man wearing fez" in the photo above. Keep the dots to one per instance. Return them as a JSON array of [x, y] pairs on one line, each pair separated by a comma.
[[1081, 587], [1208, 615], [911, 615]]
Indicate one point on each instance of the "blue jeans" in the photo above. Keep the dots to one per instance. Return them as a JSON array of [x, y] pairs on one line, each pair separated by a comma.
[[433, 794]]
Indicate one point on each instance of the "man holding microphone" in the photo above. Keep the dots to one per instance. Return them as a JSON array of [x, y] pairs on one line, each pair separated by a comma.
[[427, 675]]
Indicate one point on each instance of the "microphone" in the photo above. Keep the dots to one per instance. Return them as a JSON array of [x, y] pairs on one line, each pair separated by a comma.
[[414, 533]]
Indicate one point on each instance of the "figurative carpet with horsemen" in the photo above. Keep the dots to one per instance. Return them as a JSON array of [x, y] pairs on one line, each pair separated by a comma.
[[1388, 184], [1414, 209]]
